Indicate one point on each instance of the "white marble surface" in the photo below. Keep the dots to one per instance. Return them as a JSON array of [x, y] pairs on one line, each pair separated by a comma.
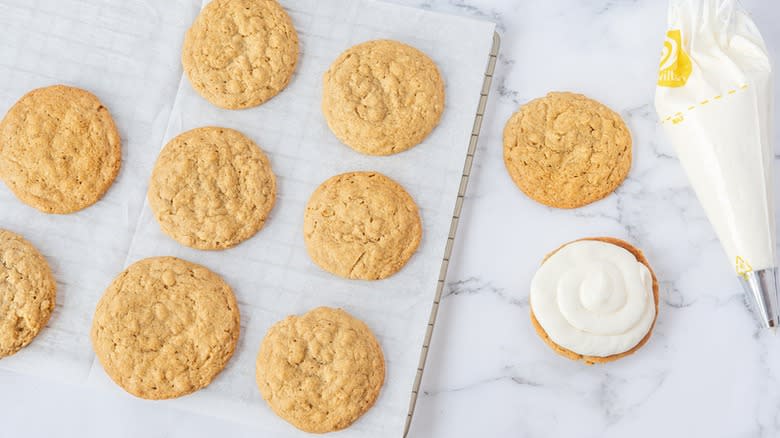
[[707, 371]]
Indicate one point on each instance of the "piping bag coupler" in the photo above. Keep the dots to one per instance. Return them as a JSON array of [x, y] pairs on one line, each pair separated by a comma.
[[714, 100]]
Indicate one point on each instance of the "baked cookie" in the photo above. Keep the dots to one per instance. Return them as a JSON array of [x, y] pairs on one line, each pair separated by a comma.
[[321, 371], [382, 97], [240, 53], [211, 188], [592, 304], [59, 149], [565, 150], [27, 292], [165, 327], [361, 225]]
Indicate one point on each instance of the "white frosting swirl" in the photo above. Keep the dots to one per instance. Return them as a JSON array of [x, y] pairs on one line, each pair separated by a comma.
[[593, 298]]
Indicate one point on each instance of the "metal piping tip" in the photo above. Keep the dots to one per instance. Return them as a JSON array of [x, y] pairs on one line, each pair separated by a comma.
[[761, 291]]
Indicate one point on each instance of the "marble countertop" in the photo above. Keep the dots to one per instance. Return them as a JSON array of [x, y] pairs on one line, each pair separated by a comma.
[[707, 371]]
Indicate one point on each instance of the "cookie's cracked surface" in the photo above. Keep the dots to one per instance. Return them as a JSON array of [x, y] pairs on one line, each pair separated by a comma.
[[27, 292], [320, 371], [165, 327], [361, 225], [565, 150], [382, 97], [240, 53], [211, 188], [59, 149]]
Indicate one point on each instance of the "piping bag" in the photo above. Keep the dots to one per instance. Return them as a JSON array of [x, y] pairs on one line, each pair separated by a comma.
[[714, 100]]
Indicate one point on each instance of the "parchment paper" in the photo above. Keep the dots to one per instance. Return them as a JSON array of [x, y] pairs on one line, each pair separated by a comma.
[[128, 54]]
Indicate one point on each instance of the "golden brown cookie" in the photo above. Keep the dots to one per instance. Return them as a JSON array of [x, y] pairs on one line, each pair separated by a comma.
[[565, 150], [320, 371], [240, 53], [27, 292], [590, 360], [165, 327], [382, 97], [361, 225], [211, 188], [59, 149]]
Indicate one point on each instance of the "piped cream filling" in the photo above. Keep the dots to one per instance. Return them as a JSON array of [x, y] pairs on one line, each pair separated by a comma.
[[593, 298]]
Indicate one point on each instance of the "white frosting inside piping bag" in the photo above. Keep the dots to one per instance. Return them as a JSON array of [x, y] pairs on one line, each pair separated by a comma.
[[593, 298], [714, 99]]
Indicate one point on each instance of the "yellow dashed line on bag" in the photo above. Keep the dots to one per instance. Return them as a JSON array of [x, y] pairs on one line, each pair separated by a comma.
[[679, 117]]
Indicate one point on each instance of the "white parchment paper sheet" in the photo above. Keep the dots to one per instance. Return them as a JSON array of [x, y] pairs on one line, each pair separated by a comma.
[[135, 70]]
